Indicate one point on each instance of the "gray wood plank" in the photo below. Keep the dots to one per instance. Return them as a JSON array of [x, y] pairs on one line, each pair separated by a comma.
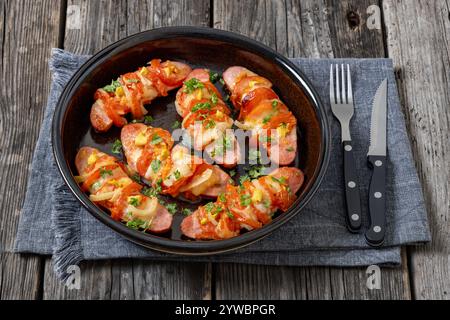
[[418, 38], [90, 26], [309, 29], [25, 43]]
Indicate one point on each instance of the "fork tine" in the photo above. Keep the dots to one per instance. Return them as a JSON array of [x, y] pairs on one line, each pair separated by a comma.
[[344, 95], [349, 85], [332, 97], [338, 90]]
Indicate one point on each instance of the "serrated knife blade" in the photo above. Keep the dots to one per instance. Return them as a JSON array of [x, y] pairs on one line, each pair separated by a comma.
[[378, 122]]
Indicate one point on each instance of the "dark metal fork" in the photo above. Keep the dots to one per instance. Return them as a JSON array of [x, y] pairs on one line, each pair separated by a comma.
[[341, 99]]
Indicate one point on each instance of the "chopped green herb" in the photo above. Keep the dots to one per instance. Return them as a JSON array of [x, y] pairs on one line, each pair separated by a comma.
[[232, 173], [246, 200], [230, 215], [156, 139], [112, 87], [263, 139], [172, 208], [222, 82], [135, 177], [192, 84], [266, 203], [281, 180], [133, 80], [177, 174], [227, 97], [290, 149], [137, 224], [134, 201], [274, 103], [222, 197], [244, 178], [209, 206], [214, 98], [254, 155], [228, 143], [266, 119], [156, 164], [186, 211], [213, 76], [176, 124], [116, 147], [148, 119], [256, 171], [201, 106], [210, 124], [105, 172]]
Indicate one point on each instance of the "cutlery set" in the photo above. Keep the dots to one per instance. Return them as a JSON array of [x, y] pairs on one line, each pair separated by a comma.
[[342, 106]]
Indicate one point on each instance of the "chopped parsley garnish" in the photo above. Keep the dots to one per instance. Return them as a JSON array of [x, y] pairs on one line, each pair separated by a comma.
[[222, 197], [177, 174], [176, 124], [116, 147], [281, 180], [137, 224], [256, 171], [201, 106], [112, 87], [186, 211], [254, 155], [290, 149], [265, 139], [213, 76], [244, 178], [274, 103], [105, 172], [172, 208], [210, 124], [156, 164], [214, 98], [148, 119], [135, 177], [192, 84], [209, 207], [132, 80], [266, 119], [222, 82], [134, 201], [230, 215], [156, 139], [246, 200], [227, 141], [232, 173], [153, 191], [266, 203]]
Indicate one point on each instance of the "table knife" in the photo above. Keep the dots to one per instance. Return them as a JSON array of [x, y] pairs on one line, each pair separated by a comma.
[[377, 162]]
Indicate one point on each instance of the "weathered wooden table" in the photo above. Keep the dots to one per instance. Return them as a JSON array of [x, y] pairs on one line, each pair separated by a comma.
[[415, 34]]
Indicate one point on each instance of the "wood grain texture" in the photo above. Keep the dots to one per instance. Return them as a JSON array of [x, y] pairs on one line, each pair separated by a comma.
[[90, 26], [423, 62], [133, 279], [305, 29], [25, 44]]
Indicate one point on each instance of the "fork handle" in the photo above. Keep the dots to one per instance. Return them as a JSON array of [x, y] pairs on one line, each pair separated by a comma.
[[352, 197]]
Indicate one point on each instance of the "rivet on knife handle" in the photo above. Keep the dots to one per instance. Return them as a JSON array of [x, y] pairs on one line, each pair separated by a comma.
[[352, 196], [377, 201]]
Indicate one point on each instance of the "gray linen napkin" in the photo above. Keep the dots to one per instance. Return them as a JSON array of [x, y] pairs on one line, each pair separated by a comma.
[[53, 222]]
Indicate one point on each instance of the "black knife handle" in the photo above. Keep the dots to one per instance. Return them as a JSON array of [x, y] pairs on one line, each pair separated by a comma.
[[352, 197], [377, 201]]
